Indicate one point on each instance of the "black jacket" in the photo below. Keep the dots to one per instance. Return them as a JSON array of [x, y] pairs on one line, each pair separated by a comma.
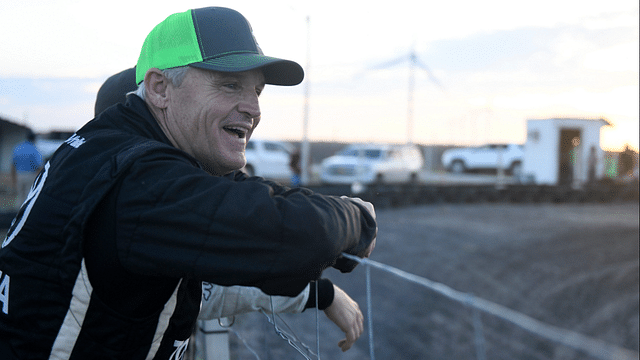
[[106, 258]]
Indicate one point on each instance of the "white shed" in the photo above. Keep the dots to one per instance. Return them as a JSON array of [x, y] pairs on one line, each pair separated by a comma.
[[563, 151]]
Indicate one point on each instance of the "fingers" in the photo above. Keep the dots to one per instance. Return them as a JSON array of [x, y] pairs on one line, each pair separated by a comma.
[[352, 335], [342, 344], [372, 211], [345, 344], [348, 342], [355, 332], [370, 248], [367, 205]]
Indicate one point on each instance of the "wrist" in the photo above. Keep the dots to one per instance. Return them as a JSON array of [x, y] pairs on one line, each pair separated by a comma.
[[325, 294]]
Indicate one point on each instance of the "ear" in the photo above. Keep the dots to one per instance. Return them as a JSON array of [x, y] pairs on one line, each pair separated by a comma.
[[156, 85]]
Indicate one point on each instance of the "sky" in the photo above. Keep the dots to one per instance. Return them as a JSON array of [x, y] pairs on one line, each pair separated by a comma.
[[491, 65]]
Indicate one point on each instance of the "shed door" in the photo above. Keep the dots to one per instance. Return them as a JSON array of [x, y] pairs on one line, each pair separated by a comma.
[[569, 142]]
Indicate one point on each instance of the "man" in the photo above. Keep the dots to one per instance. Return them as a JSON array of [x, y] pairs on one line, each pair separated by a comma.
[[222, 301], [106, 260], [294, 164], [27, 161], [627, 162]]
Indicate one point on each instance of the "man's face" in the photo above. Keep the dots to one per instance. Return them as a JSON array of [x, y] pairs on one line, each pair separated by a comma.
[[212, 115]]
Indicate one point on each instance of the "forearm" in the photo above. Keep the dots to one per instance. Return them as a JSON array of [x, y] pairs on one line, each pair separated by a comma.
[[278, 243], [223, 301]]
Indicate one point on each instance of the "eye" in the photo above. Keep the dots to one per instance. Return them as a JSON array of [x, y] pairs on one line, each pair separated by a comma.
[[231, 86]]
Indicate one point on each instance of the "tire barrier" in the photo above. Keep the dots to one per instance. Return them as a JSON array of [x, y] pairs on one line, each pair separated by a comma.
[[419, 194]]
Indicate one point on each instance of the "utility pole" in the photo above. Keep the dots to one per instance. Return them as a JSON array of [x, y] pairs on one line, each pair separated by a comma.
[[414, 62], [304, 151], [412, 85]]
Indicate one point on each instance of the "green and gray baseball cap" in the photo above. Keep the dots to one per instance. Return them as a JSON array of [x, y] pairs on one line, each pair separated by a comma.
[[212, 38]]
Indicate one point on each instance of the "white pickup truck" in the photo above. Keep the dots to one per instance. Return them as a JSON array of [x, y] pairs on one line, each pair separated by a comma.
[[486, 157], [269, 159]]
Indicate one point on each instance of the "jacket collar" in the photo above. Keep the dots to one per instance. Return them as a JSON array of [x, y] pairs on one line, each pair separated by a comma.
[[133, 117]]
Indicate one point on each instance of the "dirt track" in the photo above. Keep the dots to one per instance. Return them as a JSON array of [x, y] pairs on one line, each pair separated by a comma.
[[571, 265]]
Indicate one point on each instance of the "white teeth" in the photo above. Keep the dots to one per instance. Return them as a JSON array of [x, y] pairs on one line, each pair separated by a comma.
[[240, 131]]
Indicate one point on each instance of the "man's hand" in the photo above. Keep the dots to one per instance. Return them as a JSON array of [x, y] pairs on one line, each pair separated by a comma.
[[372, 211], [345, 313]]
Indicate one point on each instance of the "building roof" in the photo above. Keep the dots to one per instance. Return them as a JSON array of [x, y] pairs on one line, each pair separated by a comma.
[[7, 120], [603, 121]]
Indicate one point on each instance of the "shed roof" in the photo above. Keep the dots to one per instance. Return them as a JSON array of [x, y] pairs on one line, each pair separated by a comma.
[[602, 121]]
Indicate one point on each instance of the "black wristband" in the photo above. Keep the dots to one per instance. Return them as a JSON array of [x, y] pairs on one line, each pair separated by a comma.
[[325, 294]]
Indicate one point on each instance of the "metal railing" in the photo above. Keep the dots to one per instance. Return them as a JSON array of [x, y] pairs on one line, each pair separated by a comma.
[[594, 347]]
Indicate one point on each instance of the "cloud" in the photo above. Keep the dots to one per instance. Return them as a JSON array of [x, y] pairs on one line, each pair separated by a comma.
[[619, 101], [621, 57], [615, 18]]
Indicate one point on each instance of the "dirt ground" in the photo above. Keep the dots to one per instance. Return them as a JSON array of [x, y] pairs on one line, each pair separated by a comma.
[[574, 266]]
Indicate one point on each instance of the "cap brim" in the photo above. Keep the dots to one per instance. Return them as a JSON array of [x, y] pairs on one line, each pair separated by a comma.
[[276, 71]]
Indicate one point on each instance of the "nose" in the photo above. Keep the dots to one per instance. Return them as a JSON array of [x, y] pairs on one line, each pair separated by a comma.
[[250, 105]]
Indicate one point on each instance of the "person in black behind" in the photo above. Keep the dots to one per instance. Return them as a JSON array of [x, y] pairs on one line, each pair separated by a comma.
[[106, 259]]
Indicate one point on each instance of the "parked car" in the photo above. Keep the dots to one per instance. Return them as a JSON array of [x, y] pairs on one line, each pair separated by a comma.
[[268, 159], [486, 157], [373, 163]]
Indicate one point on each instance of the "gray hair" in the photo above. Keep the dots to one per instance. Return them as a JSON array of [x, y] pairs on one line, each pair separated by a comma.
[[174, 75]]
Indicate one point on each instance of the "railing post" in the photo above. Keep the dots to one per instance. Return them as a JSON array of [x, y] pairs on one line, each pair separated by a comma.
[[215, 342], [317, 321], [481, 351], [372, 354]]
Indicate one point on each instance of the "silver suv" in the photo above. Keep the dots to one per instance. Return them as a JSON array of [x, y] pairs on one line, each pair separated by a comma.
[[373, 163], [486, 157]]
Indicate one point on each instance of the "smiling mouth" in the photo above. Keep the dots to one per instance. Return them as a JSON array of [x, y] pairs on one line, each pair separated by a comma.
[[240, 132]]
